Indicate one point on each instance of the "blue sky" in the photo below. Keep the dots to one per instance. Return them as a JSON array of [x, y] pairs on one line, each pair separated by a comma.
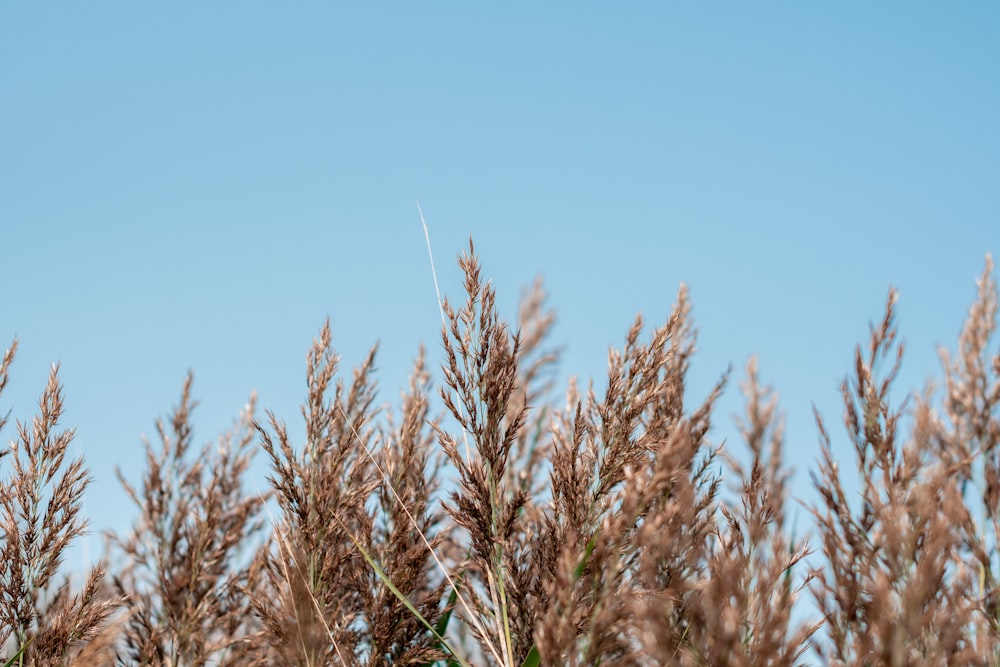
[[199, 185]]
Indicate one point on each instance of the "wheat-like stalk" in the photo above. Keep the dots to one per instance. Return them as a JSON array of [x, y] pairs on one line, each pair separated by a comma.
[[521, 532]]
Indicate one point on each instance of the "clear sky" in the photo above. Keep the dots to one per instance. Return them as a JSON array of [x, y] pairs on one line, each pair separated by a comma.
[[199, 185]]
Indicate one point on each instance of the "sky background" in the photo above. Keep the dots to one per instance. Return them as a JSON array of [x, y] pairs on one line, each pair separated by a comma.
[[199, 185]]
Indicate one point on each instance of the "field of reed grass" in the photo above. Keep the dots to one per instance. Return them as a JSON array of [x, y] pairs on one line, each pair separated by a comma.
[[500, 520]]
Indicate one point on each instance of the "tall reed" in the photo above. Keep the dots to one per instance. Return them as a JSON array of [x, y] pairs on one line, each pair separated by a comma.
[[505, 525], [41, 495]]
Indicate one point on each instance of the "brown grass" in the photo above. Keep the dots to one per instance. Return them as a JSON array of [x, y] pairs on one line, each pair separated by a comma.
[[515, 529]]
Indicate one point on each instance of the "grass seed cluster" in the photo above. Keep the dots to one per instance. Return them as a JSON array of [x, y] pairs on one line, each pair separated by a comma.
[[507, 525]]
